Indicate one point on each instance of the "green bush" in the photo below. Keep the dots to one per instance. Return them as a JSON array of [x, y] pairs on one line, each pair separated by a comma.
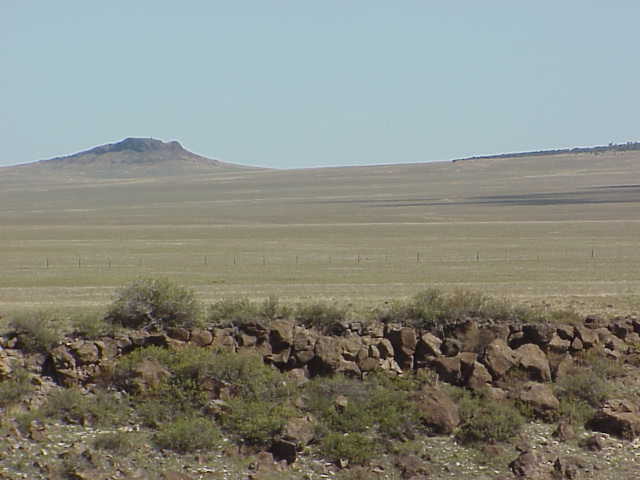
[[321, 315], [116, 442], [15, 388], [154, 302], [356, 448], [90, 326], [240, 310], [38, 331], [256, 422], [583, 385], [73, 406], [486, 420], [188, 435], [435, 310], [380, 405], [182, 394]]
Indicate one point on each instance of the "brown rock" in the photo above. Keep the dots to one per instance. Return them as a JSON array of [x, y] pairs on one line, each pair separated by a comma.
[[327, 354], [385, 348], [437, 410], [587, 336], [594, 443], [526, 465], [201, 337], [85, 352], [564, 432], [477, 377], [300, 431], [428, 346], [498, 358], [281, 334], [412, 467], [568, 467], [179, 333], [539, 334], [533, 360], [540, 397], [448, 369], [558, 345], [565, 332], [617, 417], [148, 375]]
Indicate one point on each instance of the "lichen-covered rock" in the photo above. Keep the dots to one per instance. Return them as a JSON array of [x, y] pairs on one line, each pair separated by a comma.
[[498, 357], [534, 361]]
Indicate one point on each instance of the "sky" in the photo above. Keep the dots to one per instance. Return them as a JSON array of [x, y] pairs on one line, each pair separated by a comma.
[[301, 83]]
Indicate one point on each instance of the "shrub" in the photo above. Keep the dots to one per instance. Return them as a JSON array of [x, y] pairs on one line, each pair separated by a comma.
[[73, 406], [380, 405], [256, 422], [159, 303], [232, 311], [117, 442], [583, 385], [436, 310], [89, 326], [188, 435], [182, 394], [321, 315], [356, 448], [238, 311], [15, 388], [485, 420], [38, 331]]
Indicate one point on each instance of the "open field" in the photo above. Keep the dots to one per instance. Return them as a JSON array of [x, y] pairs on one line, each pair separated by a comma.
[[563, 229]]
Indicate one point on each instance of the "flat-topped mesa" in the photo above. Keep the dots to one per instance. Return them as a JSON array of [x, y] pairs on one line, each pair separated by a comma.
[[138, 145]]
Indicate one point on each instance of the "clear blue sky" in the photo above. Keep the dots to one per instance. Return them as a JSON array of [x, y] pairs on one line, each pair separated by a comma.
[[329, 82]]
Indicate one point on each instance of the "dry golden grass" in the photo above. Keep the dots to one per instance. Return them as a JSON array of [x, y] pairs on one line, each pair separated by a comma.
[[563, 229]]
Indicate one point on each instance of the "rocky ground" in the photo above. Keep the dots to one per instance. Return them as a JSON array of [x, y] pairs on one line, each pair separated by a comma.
[[473, 355]]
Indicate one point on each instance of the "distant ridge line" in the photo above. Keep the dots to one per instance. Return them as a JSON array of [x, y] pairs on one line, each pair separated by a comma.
[[612, 147]]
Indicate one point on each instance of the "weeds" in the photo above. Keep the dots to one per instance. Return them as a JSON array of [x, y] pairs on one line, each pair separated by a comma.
[[38, 331], [187, 435], [154, 303]]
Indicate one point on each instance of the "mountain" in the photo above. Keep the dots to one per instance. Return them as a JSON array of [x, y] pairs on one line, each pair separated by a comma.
[[129, 158]]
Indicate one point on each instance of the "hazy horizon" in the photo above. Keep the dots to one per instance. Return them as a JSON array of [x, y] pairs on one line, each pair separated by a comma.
[[287, 84]]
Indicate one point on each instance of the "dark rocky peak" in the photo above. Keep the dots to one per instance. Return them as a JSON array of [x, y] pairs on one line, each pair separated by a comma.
[[137, 145]]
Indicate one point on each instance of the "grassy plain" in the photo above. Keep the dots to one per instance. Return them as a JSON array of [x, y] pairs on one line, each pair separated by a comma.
[[563, 230]]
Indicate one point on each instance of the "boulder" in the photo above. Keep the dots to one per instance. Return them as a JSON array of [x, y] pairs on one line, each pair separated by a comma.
[[498, 357], [300, 431], [437, 411], [428, 346], [281, 334], [85, 352], [526, 466], [327, 356], [564, 432], [568, 468], [539, 334], [587, 336], [476, 376], [179, 333], [540, 397], [201, 337], [620, 418], [147, 375], [448, 369], [558, 345], [533, 360], [451, 347]]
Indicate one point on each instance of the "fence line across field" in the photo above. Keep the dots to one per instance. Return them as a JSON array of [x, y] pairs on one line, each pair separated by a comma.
[[300, 260]]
